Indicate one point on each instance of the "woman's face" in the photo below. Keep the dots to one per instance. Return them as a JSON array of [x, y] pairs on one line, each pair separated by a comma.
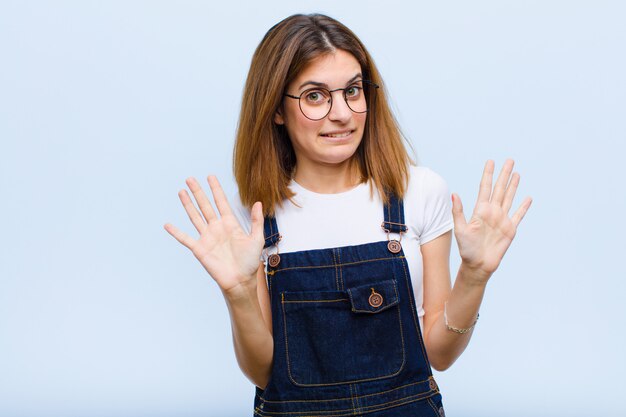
[[334, 139]]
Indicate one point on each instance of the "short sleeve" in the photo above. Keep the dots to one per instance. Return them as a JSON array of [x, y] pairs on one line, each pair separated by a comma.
[[434, 216]]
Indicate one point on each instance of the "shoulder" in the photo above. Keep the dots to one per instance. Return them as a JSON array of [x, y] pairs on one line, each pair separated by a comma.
[[427, 204], [424, 182]]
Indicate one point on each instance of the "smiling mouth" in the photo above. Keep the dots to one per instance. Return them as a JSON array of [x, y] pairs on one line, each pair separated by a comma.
[[338, 134]]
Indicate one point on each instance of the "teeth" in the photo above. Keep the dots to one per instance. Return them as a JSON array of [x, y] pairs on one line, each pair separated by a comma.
[[338, 135]]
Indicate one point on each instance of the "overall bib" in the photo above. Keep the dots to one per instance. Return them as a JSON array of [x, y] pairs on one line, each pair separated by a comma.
[[347, 340]]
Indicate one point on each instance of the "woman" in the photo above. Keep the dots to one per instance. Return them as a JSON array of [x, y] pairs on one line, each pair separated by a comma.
[[351, 304]]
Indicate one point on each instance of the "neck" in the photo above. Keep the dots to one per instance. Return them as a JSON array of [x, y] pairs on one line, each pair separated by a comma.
[[329, 179]]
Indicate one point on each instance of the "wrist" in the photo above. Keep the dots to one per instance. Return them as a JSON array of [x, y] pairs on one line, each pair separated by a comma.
[[244, 290], [456, 329], [472, 275]]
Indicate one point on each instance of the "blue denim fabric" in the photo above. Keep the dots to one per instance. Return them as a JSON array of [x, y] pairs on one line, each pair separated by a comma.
[[347, 340]]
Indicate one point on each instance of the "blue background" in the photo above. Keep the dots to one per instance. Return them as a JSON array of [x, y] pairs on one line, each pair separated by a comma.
[[106, 107]]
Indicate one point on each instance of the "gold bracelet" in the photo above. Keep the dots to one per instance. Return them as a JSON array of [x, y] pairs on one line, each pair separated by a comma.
[[454, 329]]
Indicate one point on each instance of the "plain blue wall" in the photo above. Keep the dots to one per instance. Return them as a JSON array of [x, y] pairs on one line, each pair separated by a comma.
[[106, 107]]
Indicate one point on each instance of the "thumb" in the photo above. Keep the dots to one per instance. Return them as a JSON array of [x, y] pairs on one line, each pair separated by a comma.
[[257, 220], [457, 212]]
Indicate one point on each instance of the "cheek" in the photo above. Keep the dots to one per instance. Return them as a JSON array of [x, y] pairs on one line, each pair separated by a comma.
[[299, 126], [360, 120]]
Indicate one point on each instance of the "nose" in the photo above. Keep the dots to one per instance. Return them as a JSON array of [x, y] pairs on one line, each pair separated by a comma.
[[339, 110]]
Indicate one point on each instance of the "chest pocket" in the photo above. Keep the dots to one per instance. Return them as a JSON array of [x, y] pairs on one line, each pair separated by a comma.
[[339, 337]]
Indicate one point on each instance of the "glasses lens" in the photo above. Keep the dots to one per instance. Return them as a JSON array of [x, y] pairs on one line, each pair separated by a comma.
[[355, 97], [315, 103]]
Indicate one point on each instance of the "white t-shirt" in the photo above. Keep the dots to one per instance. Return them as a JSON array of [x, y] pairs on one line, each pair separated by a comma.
[[353, 218]]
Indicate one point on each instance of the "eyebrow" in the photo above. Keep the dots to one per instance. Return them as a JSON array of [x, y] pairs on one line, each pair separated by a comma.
[[318, 84]]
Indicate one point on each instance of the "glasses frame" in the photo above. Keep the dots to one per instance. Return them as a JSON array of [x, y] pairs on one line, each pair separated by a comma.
[[365, 82]]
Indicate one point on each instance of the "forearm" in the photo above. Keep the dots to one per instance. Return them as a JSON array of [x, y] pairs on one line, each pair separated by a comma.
[[444, 346], [252, 340]]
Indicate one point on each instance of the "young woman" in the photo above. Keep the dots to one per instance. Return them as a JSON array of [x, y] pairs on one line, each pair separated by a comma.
[[351, 303]]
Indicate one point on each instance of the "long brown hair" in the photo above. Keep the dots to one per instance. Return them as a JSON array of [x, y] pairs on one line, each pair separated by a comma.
[[263, 158]]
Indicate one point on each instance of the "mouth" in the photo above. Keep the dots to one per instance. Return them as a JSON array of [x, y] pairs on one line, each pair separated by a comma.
[[338, 134]]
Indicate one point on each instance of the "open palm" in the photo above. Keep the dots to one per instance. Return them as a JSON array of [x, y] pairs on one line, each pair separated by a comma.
[[485, 238], [227, 252]]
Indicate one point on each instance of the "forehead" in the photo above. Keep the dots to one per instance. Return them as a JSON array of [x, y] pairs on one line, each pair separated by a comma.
[[333, 69]]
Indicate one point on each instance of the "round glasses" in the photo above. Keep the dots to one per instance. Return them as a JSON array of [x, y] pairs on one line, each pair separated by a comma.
[[315, 103]]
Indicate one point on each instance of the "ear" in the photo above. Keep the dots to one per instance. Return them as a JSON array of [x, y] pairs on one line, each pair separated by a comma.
[[278, 117]]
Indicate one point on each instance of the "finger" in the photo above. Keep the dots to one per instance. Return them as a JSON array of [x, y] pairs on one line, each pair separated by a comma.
[[218, 195], [502, 181], [484, 192], [257, 220], [510, 192], [193, 213], [521, 211], [203, 201], [457, 212], [179, 235]]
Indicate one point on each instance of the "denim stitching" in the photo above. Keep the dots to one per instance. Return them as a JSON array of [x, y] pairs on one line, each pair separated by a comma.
[[352, 398], [345, 398], [358, 404], [352, 381], [393, 223], [388, 217], [370, 408], [286, 339], [334, 265], [416, 321], [414, 312], [393, 203], [336, 269], [271, 231], [401, 336], [354, 310], [396, 301], [343, 286], [265, 227], [283, 302], [388, 227], [432, 405], [271, 227], [399, 213], [269, 238], [424, 392], [315, 301]]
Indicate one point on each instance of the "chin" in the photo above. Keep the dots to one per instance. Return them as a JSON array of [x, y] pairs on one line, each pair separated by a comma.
[[337, 158]]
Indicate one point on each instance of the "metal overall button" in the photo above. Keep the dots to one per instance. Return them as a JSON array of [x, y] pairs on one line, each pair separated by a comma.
[[274, 260], [432, 384], [394, 246], [375, 300]]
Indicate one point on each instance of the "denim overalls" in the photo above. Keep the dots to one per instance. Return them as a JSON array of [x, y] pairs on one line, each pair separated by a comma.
[[347, 340]]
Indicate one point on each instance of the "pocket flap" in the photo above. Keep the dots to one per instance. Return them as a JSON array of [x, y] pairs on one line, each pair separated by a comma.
[[374, 297]]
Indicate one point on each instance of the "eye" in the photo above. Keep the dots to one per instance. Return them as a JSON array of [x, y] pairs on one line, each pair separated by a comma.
[[353, 91], [316, 96]]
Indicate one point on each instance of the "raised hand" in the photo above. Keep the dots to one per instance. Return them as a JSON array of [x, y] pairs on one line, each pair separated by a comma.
[[485, 238], [229, 254]]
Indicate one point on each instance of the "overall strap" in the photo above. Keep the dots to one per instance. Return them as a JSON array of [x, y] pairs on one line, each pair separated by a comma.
[[270, 231], [394, 215]]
